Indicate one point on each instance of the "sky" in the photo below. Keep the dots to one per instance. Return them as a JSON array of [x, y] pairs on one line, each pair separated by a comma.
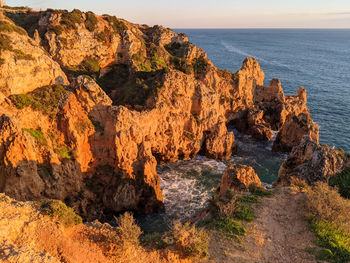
[[213, 13]]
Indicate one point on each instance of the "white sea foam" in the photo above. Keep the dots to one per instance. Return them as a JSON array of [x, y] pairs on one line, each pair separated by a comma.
[[236, 50]]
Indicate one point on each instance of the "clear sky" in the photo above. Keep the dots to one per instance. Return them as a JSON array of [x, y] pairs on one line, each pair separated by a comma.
[[214, 13]]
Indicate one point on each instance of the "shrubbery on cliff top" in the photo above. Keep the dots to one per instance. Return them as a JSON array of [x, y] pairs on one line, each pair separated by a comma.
[[329, 217], [342, 181], [58, 210], [44, 99]]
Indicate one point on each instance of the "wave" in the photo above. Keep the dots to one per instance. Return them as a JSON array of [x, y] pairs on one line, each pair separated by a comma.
[[236, 50]]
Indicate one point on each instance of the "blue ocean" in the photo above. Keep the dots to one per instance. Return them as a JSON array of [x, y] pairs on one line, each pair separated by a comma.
[[318, 59]]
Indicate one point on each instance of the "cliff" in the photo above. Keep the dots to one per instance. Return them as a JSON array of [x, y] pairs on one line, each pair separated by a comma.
[[101, 101]]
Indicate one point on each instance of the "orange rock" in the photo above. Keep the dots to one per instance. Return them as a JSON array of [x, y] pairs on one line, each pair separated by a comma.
[[238, 177]]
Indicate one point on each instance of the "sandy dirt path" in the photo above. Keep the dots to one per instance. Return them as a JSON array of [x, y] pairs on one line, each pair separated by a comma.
[[278, 234]]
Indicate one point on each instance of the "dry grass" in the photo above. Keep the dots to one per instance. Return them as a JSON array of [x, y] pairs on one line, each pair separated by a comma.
[[325, 203]]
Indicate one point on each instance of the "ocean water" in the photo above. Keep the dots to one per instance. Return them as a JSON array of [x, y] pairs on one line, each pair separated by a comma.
[[318, 59]]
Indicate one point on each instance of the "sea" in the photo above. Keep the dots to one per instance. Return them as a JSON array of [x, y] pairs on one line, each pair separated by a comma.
[[317, 59]]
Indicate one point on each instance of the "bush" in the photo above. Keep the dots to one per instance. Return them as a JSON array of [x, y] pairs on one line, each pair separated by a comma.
[[59, 211], [118, 26], [38, 135], [57, 29], [329, 218], [335, 240], [325, 203], [8, 27], [44, 99], [190, 241], [71, 19], [342, 181], [64, 153], [153, 240], [91, 21], [128, 232], [244, 211], [227, 226], [5, 44], [258, 190], [200, 65], [90, 65]]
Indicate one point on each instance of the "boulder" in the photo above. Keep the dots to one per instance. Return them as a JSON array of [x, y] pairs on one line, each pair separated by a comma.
[[311, 162], [238, 177]]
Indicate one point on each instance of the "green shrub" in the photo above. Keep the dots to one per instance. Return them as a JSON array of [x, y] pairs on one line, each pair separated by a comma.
[[8, 27], [70, 19], [102, 36], [117, 25], [227, 226], [128, 232], [342, 181], [182, 65], [244, 211], [153, 240], [57, 29], [62, 213], [91, 21], [174, 48], [90, 65], [335, 240], [190, 241], [38, 135], [325, 203], [44, 99], [200, 65], [64, 153], [258, 190]]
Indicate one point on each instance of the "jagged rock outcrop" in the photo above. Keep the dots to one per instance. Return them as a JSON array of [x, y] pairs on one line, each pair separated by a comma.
[[270, 110], [293, 131], [159, 99], [238, 177], [311, 162], [24, 65]]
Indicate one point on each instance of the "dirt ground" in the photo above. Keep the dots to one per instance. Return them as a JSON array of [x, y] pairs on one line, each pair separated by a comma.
[[280, 233]]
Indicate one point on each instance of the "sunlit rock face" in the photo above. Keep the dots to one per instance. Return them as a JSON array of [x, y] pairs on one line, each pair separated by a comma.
[[137, 96], [311, 162]]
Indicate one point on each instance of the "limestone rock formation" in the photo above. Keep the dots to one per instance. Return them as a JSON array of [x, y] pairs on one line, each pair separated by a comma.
[[24, 65], [238, 177], [270, 110], [293, 131], [311, 162], [137, 96]]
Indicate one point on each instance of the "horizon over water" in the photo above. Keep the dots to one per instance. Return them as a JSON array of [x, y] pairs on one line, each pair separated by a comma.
[[317, 59]]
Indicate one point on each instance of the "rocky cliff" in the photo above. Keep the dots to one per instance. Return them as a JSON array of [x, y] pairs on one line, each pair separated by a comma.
[[90, 104]]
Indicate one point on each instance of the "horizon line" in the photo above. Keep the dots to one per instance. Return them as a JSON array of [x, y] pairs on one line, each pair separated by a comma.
[[223, 28]]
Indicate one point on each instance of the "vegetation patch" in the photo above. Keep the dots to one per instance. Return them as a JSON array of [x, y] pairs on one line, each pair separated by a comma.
[[328, 214], [190, 241], [227, 226], [8, 27], [64, 153], [38, 135], [60, 212], [5, 44], [342, 181], [70, 19], [117, 25], [91, 21], [28, 21], [200, 66], [128, 232], [44, 99], [57, 29]]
